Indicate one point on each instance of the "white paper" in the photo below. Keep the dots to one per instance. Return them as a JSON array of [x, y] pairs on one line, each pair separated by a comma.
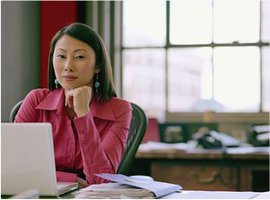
[[211, 195], [158, 188]]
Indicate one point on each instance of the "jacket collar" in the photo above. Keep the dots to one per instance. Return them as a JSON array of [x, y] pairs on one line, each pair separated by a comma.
[[55, 101]]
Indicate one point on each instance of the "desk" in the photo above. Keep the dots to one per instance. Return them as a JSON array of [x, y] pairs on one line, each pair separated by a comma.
[[206, 169], [191, 194]]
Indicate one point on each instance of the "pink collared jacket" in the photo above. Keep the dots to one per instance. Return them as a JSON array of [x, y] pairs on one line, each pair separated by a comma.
[[91, 144]]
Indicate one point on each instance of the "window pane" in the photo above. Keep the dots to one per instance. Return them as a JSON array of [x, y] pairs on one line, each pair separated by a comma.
[[144, 23], [189, 78], [266, 79], [236, 21], [265, 20], [190, 21], [237, 78], [144, 78]]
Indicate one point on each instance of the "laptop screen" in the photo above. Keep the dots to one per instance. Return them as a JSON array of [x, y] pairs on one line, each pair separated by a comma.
[[27, 158]]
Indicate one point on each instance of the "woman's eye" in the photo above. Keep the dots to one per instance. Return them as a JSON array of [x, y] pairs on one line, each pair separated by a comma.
[[60, 56], [79, 57]]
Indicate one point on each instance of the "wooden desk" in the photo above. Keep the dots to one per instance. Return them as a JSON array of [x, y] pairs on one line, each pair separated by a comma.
[[206, 169], [190, 194]]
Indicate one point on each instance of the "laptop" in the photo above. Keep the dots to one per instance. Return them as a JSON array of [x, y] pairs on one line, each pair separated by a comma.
[[27, 160]]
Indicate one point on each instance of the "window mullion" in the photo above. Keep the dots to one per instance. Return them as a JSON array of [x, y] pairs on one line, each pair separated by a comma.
[[261, 68], [166, 55]]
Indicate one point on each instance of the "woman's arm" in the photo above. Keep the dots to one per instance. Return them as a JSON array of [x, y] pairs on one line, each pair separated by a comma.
[[103, 156], [28, 113]]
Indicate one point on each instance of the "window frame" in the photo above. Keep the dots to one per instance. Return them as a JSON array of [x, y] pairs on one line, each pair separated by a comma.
[[191, 116]]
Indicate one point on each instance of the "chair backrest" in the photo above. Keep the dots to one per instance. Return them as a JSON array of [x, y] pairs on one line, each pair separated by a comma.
[[137, 130], [14, 111]]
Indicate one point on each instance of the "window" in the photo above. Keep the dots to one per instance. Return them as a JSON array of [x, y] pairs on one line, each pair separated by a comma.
[[190, 56]]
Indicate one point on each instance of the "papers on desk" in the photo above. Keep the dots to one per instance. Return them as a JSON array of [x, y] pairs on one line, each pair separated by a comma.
[[263, 195], [212, 195], [158, 188], [245, 150], [159, 146], [127, 187], [191, 147], [113, 191]]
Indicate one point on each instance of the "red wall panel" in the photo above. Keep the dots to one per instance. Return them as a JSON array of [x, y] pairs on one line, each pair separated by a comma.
[[54, 15]]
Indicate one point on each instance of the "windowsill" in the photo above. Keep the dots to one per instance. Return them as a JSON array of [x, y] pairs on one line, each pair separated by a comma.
[[210, 117]]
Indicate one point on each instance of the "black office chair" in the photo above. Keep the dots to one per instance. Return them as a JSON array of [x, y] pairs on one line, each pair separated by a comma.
[[136, 133], [137, 130], [14, 111]]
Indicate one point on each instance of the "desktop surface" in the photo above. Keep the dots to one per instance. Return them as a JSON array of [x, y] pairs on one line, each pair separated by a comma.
[[199, 169], [186, 194]]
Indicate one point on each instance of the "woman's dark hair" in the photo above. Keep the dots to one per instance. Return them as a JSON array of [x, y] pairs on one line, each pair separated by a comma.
[[87, 35]]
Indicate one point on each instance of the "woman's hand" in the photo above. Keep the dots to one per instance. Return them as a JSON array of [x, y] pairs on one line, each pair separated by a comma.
[[79, 99], [82, 183]]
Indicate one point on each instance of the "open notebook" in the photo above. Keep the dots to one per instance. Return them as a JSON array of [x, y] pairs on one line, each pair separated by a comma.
[[27, 160]]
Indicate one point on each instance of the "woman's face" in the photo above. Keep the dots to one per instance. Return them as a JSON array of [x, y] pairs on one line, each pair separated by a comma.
[[74, 63]]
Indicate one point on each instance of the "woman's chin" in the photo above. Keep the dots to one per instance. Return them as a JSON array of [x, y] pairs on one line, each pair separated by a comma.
[[68, 87]]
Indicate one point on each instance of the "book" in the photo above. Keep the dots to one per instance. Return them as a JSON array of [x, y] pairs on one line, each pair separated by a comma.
[[158, 188]]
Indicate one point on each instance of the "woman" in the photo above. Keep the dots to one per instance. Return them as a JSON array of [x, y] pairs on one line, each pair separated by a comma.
[[90, 124]]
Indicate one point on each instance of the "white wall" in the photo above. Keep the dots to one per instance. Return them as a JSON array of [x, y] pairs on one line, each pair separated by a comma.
[[20, 52]]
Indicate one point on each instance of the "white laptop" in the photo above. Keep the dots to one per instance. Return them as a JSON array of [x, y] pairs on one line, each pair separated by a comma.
[[27, 160]]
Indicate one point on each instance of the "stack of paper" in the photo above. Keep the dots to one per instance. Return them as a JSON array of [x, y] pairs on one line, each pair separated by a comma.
[[127, 187], [113, 191], [161, 146], [158, 188]]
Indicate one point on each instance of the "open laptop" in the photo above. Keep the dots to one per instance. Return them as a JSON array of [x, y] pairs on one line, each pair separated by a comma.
[[27, 160]]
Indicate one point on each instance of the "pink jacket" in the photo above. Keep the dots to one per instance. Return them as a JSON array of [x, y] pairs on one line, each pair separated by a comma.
[[91, 144]]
